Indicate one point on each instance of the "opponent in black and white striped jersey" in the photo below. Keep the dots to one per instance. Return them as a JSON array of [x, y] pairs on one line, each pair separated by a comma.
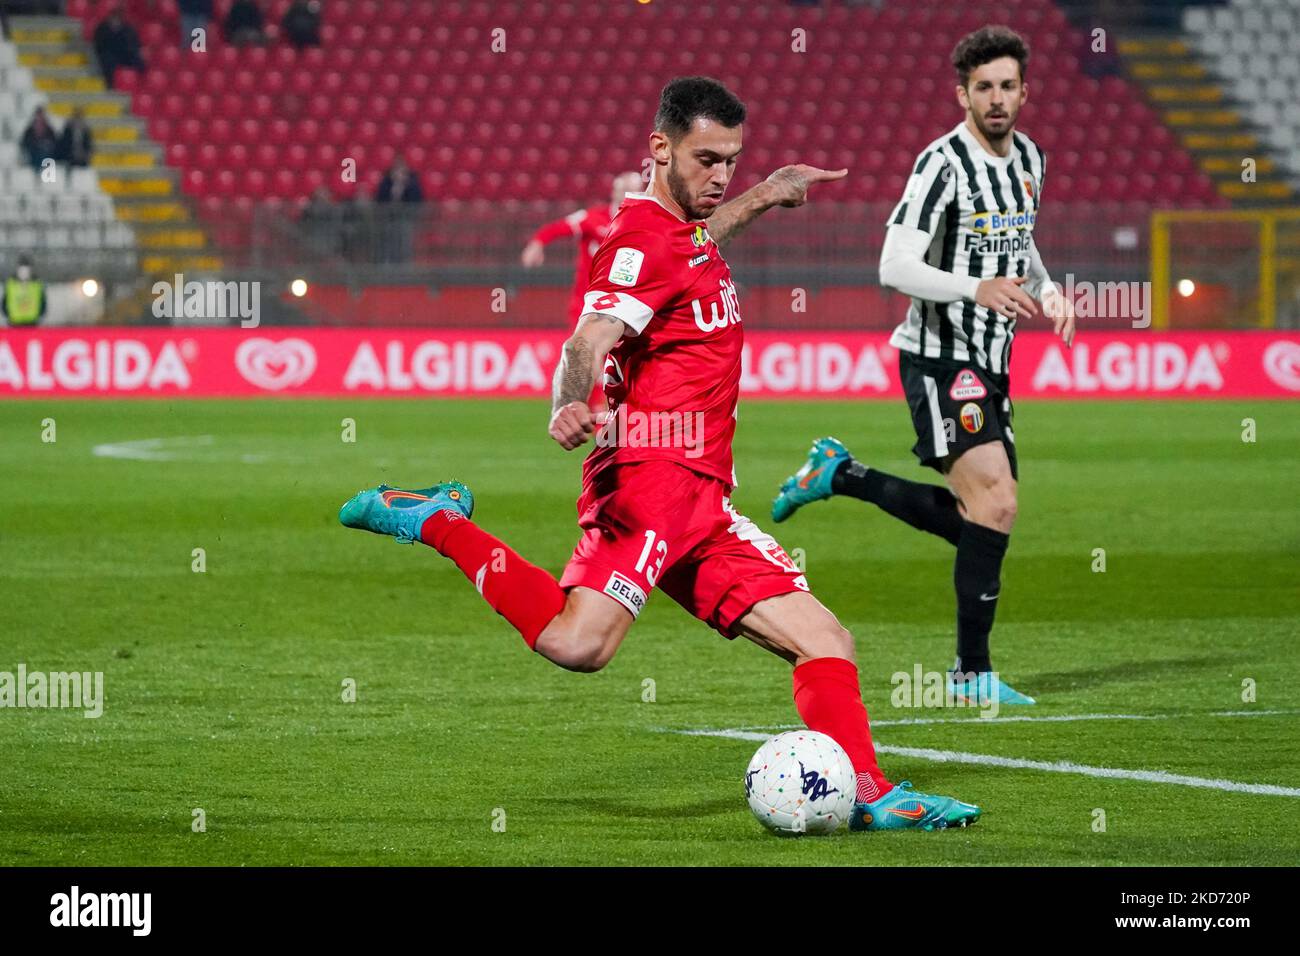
[[960, 244], [977, 213]]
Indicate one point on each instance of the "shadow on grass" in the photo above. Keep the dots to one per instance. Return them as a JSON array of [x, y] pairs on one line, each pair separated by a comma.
[[1126, 671]]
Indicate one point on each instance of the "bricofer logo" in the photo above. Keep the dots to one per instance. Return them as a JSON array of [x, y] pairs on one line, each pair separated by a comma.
[[987, 223], [275, 366]]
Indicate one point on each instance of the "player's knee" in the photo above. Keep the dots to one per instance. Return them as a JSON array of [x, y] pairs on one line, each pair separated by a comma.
[[830, 640], [588, 650], [1004, 505]]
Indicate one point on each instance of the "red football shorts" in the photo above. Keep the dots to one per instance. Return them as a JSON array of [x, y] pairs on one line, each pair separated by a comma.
[[659, 524]]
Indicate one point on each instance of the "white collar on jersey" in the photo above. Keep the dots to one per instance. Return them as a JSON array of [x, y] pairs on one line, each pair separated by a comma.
[[969, 139], [655, 199]]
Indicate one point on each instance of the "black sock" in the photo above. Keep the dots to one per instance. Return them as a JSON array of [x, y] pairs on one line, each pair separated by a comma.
[[977, 574], [929, 507]]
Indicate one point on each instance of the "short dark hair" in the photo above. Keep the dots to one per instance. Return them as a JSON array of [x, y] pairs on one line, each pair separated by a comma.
[[687, 98], [986, 45]]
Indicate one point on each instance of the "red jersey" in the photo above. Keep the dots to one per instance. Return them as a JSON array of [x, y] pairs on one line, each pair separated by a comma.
[[589, 226], [673, 380]]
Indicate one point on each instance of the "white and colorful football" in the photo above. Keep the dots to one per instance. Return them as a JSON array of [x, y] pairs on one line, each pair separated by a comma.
[[801, 782]]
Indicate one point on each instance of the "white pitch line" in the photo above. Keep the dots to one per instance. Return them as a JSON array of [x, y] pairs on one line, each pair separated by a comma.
[[1054, 766], [1066, 766], [1025, 719], [151, 449]]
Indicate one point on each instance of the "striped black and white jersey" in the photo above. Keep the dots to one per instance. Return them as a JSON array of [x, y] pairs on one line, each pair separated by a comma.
[[979, 210]]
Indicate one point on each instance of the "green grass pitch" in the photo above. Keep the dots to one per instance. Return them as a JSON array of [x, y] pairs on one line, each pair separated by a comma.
[[223, 689]]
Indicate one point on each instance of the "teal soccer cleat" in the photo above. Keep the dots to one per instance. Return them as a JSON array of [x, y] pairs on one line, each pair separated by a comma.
[[812, 482], [387, 510], [903, 808], [985, 688]]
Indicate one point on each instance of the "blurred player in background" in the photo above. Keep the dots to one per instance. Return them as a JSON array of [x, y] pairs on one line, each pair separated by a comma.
[[960, 243], [661, 325], [589, 226]]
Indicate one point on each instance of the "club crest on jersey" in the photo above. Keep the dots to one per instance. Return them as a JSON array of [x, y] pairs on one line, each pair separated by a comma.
[[1029, 187], [965, 386], [699, 236], [972, 417]]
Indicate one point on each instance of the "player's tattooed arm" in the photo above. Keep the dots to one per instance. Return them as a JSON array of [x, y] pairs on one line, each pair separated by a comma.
[[581, 360], [788, 186]]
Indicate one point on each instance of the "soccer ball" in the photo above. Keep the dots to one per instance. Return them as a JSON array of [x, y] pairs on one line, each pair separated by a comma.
[[801, 782]]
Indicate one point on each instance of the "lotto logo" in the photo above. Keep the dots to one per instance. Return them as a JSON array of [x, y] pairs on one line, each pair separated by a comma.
[[606, 301]]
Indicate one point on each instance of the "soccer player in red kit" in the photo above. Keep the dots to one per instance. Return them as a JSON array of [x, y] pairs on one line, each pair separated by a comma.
[[589, 226], [661, 325]]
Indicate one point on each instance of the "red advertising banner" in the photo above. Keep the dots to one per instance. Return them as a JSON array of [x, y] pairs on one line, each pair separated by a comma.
[[168, 362]]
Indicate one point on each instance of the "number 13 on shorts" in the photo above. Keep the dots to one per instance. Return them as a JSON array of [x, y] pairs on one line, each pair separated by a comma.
[[653, 546]]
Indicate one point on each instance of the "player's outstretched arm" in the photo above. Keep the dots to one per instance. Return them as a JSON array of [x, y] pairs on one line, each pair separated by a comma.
[[788, 186], [581, 360]]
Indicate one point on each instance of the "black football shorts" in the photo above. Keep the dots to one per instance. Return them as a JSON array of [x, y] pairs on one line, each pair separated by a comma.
[[955, 406]]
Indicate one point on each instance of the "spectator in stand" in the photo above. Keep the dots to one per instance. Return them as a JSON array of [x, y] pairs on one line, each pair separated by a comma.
[[195, 15], [301, 23], [401, 187], [322, 222], [400, 184], [39, 141], [358, 229], [244, 25], [117, 45], [76, 144]]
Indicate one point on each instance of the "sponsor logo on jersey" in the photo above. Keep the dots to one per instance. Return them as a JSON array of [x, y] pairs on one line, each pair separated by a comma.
[[998, 245], [627, 266], [990, 222], [972, 417], [625, 592], [965, 386], [702, 257], [730, 309]]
